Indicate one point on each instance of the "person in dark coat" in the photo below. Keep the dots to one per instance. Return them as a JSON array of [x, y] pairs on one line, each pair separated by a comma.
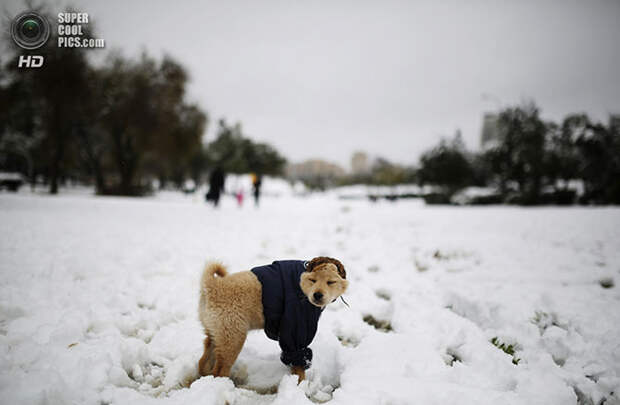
[[257, 181], [216, 186]]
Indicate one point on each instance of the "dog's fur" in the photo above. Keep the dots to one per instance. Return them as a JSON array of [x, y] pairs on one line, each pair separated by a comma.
[[231, 305]]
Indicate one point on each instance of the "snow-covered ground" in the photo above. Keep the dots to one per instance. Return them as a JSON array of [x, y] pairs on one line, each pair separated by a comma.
[[98, 301]]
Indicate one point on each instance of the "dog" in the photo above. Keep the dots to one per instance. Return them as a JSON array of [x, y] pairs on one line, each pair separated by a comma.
[[285, 298]]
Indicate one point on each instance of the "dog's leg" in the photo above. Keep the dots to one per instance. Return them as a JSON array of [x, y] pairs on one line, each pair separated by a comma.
[[299, 372], [207, 358], [225, 355]]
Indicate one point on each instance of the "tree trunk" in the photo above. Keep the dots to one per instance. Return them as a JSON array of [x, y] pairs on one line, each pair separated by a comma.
[[126, 162], [59, 137], [99, 180], [93, 160], [54, 172]]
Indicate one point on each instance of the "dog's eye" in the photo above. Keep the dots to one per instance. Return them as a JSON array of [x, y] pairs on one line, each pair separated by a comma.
[[314, 281], [330, 282]]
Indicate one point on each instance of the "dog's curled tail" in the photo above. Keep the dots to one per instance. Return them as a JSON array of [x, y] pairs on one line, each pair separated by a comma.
[[206, 286], [208, 276], [210, 270], [214, 268]]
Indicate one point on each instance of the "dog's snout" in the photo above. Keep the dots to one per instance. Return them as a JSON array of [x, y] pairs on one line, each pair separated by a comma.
[[318, 296]]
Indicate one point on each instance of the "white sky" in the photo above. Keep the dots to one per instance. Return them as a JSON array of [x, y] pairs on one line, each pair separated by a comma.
[[326, 78]]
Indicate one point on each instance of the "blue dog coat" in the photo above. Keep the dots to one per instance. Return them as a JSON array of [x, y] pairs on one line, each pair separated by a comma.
[[289, 317]]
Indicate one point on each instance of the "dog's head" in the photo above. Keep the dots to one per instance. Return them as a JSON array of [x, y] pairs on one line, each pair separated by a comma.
[[323, 281]]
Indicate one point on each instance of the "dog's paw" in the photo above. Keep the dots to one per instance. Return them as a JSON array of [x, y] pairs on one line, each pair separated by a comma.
[[299, 372]]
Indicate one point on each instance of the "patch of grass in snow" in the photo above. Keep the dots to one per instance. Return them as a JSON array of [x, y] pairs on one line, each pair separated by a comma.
[[606, 282], [439, 255], [509, 349], [452, 357], [381, 325], [143, 305]]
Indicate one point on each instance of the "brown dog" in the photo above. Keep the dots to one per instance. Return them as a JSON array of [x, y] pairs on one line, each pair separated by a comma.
[[231, 305]]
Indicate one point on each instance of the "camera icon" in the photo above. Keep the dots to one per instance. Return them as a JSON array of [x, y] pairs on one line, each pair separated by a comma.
[[30, 30]]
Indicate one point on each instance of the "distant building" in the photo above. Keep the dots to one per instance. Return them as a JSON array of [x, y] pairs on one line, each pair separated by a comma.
[[489, 135], [359, 163], [314, 168], [315, 173], [614, 121]]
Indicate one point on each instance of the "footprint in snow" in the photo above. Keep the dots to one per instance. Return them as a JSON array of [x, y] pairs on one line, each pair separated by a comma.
[[383, 294], [379, 324]]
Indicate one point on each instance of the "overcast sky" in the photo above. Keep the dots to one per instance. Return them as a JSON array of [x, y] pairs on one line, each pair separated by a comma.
[[326, 78]]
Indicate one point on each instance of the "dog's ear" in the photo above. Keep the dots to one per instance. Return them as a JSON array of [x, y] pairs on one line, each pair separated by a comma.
[[324, 259]]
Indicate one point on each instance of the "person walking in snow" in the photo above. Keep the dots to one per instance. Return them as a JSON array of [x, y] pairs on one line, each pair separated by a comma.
[[239, 197], [216, 186], [256, 183]]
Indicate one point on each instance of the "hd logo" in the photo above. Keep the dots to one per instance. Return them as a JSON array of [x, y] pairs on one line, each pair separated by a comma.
[[30, 61], [30, 31]]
